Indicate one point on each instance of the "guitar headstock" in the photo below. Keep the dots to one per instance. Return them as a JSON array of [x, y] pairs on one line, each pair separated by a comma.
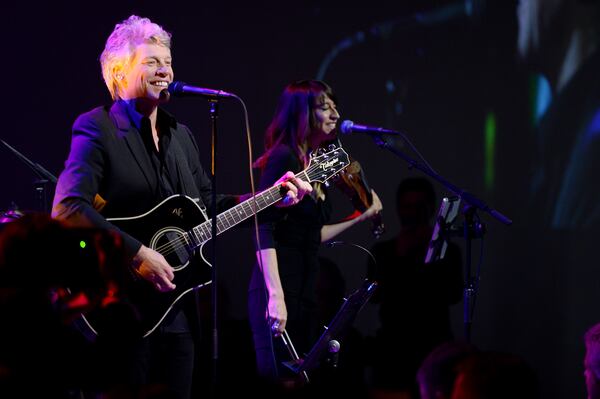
[[326, 162]]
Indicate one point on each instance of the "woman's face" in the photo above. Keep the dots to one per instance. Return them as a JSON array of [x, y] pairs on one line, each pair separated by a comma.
[[326, 117]]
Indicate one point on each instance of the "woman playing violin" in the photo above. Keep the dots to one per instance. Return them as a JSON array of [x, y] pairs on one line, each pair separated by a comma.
[[282, 294]]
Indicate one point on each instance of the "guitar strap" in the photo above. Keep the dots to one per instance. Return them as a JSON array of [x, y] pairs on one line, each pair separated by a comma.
[[187, 184], [176, 156]]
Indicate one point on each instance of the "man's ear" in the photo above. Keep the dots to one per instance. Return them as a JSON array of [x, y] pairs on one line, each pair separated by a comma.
[[118, 74]]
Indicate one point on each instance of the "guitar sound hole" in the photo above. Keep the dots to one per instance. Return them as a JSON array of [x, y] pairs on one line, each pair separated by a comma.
[[172, 245]]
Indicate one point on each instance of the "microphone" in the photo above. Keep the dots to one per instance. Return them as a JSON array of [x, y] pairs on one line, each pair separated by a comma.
[[181, 89], [333, 347], [348, 127], [164, 95]]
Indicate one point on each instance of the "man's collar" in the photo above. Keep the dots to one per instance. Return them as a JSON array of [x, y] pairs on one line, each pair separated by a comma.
[[126, 115]]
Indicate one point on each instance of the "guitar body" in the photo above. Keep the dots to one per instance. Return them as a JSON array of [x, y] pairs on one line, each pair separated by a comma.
[[163, 229]]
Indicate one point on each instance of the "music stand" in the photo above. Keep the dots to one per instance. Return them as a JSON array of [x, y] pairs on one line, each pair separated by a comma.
[[442, 230], [340, 323]]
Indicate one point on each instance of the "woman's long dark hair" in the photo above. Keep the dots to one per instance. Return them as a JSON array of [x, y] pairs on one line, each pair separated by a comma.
[[294, 120]]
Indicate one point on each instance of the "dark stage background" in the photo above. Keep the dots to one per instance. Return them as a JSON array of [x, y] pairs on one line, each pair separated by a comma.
[[455, 88]]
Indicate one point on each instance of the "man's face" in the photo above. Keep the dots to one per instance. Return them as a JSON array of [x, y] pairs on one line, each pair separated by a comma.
[[149, 73], [536, 18]]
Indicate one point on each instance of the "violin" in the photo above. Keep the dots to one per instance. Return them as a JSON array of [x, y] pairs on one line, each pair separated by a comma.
[[352, 182]]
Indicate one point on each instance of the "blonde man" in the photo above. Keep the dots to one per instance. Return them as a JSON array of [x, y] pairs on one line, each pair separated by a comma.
[[133, 155]]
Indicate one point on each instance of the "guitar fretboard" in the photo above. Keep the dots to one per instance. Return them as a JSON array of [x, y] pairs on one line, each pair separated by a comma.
[[242, 211]]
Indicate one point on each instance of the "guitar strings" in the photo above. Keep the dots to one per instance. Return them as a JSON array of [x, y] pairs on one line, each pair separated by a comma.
[[182, 241]]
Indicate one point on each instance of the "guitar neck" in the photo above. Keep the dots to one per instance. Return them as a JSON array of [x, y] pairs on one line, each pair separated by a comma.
[[241, 212]]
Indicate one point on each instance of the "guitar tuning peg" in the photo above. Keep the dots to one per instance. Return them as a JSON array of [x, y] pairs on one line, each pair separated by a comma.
[[331, 147], [326, 184]]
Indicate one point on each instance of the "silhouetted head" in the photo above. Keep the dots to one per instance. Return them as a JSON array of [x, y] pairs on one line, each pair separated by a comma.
[[495, 375], [42, 258], [415, 201], [438, 371]]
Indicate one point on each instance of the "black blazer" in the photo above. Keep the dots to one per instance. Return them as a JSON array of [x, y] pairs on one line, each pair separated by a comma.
[[108, 157]]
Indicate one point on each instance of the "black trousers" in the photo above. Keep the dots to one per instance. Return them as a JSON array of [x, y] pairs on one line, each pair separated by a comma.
[[160, 364]]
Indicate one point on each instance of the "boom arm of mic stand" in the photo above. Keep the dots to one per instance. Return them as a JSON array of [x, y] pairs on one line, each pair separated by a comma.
[[473, 203], [464, 195]]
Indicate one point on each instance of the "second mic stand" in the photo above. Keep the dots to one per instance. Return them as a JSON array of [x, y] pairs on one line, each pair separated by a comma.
[[472, 228]]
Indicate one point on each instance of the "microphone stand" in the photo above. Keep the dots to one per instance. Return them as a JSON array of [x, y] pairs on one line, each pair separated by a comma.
[[214, 115], [40, 185], [471, 227], [213, 96]]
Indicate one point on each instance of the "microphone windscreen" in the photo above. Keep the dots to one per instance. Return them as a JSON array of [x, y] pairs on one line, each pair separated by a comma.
[[176, 88], [164, 95], [346, 127]]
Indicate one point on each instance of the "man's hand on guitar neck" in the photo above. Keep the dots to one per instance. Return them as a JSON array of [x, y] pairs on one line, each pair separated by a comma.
[[296, 189], [153, 267]]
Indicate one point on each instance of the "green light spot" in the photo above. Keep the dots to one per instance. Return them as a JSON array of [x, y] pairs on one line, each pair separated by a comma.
[[489, 150], [82, 244]]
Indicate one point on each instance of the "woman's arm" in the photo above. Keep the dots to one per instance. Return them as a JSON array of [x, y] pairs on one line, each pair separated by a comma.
[[277, 311], [331, 230]]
